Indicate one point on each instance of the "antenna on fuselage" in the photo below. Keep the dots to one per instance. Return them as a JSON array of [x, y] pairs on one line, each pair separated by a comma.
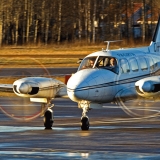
[[108, 43]]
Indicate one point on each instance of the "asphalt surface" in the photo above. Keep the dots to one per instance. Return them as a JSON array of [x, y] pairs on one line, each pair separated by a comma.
[[113, 134], [8, 72]]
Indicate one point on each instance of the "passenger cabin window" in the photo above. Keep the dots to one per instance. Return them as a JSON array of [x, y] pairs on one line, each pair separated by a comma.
[[134, 64], [156, 60], [124, 66], [151, 63], [143, 63], [100, 62]]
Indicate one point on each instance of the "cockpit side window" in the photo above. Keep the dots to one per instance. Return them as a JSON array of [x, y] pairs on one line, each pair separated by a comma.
[[108, 63]]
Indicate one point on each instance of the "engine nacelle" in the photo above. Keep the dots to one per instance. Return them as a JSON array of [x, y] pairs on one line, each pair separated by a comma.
[[39, 87], [148, 87]]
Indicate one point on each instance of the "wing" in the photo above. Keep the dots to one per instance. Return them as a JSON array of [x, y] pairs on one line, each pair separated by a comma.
[[6, 88], [38, 89]]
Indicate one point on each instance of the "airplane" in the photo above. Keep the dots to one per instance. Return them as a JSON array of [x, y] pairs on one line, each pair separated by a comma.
[[102, 77], [136, 73]]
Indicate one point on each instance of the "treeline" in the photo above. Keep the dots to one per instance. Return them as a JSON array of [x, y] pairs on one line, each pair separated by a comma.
[[54, 21]]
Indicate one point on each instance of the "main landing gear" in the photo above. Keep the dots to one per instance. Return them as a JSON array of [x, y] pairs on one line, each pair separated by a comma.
[[84, 119], [48, 117]]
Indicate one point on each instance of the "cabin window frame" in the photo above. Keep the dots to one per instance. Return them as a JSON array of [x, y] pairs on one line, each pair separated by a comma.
[[155, 60], [140, 58], [136, 70], [151, 66], [122, 69]]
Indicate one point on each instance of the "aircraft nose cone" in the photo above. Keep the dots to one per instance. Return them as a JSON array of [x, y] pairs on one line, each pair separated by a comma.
[[91, 85], [76, 89]]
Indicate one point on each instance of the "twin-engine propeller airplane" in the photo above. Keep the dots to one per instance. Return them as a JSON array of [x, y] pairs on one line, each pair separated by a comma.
[[102, 77], [113, 75]]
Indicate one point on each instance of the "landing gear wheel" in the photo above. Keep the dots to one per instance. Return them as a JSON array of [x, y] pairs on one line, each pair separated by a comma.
[[85, 123], [48, 119]]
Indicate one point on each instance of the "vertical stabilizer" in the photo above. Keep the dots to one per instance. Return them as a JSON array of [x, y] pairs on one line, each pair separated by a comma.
[[155, 43], [156, 36]]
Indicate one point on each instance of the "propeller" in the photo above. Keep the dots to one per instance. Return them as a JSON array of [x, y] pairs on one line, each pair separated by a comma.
[[137, 106], [19, 108]]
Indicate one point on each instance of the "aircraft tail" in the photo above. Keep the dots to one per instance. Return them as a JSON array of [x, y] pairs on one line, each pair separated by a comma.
[[156, 36], [155, 43]]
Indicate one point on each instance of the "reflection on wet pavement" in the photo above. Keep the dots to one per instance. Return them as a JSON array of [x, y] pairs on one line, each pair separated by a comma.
[[112, 135], [76, 155], [9, 129]]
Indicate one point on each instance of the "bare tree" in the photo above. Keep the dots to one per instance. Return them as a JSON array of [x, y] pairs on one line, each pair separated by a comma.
[[28, 11], [143, 21], [42, 19], [1, 22], [59, 20], [94, 21], [47, 10], [80, 20], [89, 20], [50, 21]]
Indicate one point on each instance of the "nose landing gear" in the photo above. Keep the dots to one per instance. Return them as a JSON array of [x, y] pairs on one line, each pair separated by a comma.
[[84, 123], [84, 119]]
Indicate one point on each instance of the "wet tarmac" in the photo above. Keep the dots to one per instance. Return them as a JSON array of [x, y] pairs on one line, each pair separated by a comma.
[[112, 134]]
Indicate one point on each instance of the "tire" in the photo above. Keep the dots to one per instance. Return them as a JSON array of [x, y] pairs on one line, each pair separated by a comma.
[[85, 123], [48, 119]]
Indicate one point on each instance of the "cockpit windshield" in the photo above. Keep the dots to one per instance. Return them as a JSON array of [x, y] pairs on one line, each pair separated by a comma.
[[103, 62], [87, 63]]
